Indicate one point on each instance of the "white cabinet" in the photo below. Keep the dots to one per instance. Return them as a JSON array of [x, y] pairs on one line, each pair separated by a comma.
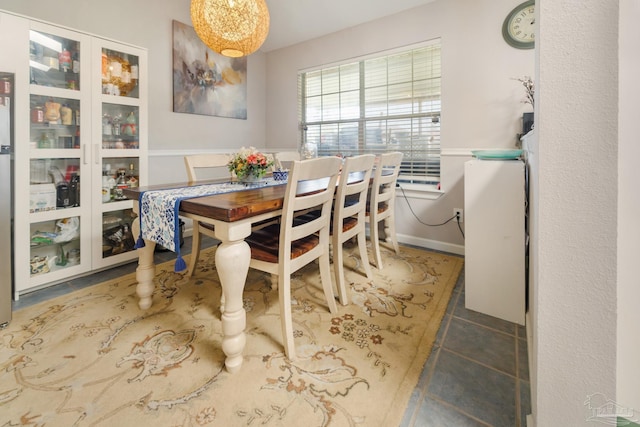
[[63, 103], [494, 201]]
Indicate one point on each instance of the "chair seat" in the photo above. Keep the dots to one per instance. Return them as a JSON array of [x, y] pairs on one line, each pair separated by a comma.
[[264, 244], [347, 224], [382, 207]]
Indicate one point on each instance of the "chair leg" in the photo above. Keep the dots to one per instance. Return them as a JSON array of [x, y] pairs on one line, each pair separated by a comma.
[[375, 243], [390, 232], [364, 257], [327, 285], [195, 249], [338, 269], [284, 293]]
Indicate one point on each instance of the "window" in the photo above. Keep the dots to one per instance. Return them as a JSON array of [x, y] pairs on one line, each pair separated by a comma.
[[390, 102]]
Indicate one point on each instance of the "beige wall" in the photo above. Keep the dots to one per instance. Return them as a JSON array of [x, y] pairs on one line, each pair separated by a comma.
[[628, 372], [148, 24], [574, 300], [481, 103]]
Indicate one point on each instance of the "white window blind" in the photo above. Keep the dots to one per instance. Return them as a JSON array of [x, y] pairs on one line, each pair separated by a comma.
[[390, 102]]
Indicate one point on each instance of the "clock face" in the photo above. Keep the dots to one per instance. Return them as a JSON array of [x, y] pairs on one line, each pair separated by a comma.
[[519, 26]]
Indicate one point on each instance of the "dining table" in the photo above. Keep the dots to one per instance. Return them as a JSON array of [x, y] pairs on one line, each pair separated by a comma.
[[232, 214]]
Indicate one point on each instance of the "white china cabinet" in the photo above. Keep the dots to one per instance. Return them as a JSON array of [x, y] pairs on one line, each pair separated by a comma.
[[80, 137]]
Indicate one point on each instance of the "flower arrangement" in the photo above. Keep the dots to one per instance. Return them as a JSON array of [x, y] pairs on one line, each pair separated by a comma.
[[249, 163], [527, 82]]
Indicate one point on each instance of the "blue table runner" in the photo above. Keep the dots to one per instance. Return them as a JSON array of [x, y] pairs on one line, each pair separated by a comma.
[[159, 209]]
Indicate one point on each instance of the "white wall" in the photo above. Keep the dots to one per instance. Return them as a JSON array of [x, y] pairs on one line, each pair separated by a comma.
[[481, 103], [577, 116], [628, 375]]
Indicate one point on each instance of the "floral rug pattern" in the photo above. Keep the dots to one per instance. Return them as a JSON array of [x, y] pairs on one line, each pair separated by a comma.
[[93, 358]]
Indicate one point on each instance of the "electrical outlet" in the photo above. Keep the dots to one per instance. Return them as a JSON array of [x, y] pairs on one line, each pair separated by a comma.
[[459, 213]]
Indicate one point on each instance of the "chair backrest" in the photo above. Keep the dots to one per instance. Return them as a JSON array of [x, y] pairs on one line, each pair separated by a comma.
[[210, 164], [383, 188], [351, 195], [286, 158], [326, 169]]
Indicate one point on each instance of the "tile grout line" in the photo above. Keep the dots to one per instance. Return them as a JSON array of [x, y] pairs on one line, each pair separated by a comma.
[[517, 396], [436, 355], [457, 409], [509, 334], [512, 376]]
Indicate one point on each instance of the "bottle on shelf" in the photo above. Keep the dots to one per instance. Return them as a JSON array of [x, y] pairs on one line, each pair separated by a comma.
[[37, 114], [132, 179], [125, 79], [75, 63], [66, 115], [52, 111], [64, 60], [121, 184], [107, 131], [108, 184], [74, 190]]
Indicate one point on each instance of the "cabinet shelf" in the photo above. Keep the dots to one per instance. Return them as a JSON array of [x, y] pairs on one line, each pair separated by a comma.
[[120, 100], [55, 214], [54, 92], [56, 126], [35, 246], [117, 205]]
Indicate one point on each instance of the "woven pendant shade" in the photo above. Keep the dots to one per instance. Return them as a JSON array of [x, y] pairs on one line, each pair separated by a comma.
[[231, 27]]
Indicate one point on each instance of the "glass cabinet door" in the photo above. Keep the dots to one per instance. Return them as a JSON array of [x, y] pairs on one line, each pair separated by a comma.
[[119, 132], [54, 61], [58, 164]]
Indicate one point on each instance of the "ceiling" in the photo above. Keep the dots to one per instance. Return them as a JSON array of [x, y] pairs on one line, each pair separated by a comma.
[[295, 21]]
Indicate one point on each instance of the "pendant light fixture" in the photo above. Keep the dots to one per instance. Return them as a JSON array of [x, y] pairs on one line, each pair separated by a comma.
[[231, 27]]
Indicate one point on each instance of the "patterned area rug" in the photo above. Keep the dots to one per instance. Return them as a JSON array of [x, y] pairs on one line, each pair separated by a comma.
[[93, 358]]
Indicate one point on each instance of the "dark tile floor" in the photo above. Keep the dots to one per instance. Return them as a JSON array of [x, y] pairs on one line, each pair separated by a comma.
[[477, 374]]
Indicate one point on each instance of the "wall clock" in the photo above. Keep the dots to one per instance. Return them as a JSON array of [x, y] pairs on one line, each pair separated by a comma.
[[518, 28]]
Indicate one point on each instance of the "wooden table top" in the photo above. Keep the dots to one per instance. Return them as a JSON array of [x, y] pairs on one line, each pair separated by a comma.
[[235, 205]]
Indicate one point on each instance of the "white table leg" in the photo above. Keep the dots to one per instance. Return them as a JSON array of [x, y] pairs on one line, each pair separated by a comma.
[[232, 262], [146, 270]]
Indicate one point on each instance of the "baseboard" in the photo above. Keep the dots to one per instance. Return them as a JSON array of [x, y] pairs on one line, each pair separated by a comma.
[[431, 244]]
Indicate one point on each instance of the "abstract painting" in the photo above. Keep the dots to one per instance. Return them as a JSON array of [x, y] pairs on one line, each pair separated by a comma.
[[205, 82]]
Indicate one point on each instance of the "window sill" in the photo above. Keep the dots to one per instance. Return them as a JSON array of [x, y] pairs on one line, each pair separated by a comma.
[[419, 191]]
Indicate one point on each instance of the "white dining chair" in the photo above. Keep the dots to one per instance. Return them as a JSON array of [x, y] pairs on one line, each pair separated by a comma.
[[349, 217], [286, 158], [283, 248], [197, 166], [382, 202]]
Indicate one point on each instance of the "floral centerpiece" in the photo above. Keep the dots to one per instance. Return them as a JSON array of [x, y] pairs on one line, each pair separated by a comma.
[[250, 164]]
